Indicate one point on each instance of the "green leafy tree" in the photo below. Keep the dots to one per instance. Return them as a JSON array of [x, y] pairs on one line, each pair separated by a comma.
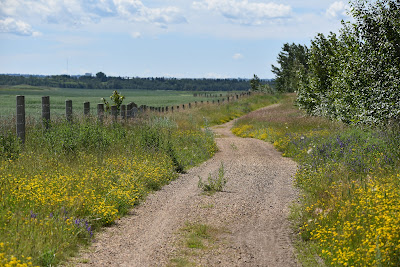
[[355, 77], [101, 76], [257, 86], [292, 60], [377, 28], [314, 92], [255, 83]]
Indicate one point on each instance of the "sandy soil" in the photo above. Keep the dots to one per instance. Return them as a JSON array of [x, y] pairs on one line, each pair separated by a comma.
[[252, 211]]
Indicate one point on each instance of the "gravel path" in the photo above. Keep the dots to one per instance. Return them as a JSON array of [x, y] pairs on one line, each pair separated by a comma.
[[252, 211]]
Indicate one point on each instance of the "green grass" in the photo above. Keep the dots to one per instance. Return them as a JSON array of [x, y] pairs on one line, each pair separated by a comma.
[[58, 96], [210, 115], [196, 234], [195, 240], [349, 178]]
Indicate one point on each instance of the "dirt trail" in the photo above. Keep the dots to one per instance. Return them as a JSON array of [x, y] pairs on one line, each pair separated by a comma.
[[252, 210]]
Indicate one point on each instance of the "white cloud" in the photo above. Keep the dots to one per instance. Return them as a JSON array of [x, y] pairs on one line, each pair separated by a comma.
[[18, 27], [237, 56], [245, 12], [136, 11], [337, 10], [136, 35], [78, 12]]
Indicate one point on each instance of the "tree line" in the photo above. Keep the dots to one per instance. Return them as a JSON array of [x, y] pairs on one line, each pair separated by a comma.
[[352, 76], [102, 81]]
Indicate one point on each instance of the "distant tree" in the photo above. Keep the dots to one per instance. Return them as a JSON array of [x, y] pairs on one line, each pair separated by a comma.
[[255, 83], [292, 60], [257, 86], [101, 76]]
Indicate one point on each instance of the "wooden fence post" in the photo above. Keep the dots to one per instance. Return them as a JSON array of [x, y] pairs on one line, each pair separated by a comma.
[[129, 110], [68, 110], [86, 109], [46, 111], [100, 112], [114, 113], [21, 118], [123, 112], [134, 112]]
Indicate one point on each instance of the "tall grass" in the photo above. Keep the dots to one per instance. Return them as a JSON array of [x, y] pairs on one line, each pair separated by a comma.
[[74, 178], [349, 179], [68, 181]]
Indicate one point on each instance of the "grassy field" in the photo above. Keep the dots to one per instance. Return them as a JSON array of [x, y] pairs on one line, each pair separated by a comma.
[[349, 178], [33, 97], [69, 181]]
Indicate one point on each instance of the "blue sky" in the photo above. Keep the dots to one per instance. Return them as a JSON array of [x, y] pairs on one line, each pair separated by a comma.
[[158, 38]]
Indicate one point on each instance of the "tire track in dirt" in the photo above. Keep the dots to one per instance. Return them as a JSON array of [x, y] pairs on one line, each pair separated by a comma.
[[253, 210]]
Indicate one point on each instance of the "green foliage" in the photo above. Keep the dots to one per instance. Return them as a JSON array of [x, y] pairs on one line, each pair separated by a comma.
[[101, 76], [102, 81], [255, 83], [257, 86], [355, 77], [292, 61], [117, 100], [9, 146], [215, 184]]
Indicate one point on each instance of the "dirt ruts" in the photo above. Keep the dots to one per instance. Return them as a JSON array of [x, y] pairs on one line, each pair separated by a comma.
[[251, 212]]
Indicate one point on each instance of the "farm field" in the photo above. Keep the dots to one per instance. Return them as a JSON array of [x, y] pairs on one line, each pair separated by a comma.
[[58, 96]]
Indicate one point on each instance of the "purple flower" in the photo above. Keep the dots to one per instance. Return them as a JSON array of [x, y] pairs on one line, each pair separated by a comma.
[[33, 215]]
